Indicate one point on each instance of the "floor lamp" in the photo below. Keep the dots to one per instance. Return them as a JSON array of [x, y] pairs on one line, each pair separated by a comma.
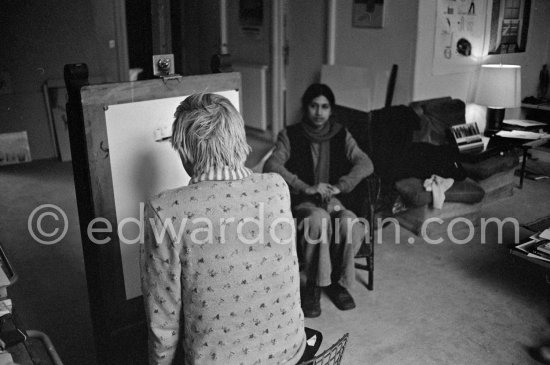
[[498, 87]]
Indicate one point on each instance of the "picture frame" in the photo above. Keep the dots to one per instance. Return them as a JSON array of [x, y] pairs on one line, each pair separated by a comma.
[[251, 17], [368, 14], [55, 97], [509, 26]]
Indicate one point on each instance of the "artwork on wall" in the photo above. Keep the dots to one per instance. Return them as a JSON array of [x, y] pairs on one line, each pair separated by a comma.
[[56, 97], [509, 24], [368, 13], [459, 35], [251, 16]]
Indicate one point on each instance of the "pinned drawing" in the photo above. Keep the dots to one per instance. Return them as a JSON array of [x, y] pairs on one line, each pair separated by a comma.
[[368, 14], [459, 35]]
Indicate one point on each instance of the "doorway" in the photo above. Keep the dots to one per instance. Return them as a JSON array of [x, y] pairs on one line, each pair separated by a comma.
[[139, 37]]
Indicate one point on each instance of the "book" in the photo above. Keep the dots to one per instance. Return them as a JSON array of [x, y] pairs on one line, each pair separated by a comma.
[[467, 138], [544, 248], [530, 248], [523, 124], [545, 234]]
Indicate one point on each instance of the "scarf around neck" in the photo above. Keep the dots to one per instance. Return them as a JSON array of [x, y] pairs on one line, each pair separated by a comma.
[[323, 134]]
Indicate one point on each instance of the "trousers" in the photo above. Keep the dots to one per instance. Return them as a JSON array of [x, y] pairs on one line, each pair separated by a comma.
[[328, 240]]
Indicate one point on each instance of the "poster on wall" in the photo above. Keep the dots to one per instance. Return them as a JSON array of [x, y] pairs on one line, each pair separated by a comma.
[[368, 14], [251, 17], [509, 26], [459, 35]]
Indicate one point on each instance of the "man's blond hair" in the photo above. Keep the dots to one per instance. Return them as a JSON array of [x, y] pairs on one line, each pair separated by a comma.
[[209, 132]]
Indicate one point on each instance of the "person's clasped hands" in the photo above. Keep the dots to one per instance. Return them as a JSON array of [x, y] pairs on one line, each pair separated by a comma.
[[326, 191]]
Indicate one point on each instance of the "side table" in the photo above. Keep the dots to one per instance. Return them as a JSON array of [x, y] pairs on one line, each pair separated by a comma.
[[526, 147], [533, 258]]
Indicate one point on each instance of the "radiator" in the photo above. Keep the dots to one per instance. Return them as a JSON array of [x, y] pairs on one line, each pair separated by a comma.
[[254, 94]]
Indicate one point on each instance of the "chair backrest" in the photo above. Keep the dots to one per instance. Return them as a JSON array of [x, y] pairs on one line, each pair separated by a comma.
[[331, 356]]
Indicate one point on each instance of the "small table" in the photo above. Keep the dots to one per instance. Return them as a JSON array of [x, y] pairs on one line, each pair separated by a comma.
[[526, 147], [545, 265]]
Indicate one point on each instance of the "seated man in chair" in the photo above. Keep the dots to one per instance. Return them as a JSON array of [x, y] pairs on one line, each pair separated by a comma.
[[321, 162]]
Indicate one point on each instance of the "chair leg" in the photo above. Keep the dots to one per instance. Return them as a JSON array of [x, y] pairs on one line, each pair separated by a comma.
[[370, 264], [370, 257]]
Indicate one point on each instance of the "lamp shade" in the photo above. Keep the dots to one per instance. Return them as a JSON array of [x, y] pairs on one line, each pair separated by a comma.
[[499, 86]]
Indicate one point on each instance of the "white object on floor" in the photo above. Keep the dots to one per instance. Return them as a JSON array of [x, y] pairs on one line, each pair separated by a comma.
[[438, 186]]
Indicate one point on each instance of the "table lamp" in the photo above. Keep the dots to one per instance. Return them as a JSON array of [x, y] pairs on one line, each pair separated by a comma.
[[499, 87]]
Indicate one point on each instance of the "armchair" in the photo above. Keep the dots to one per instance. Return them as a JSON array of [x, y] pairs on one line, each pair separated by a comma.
[[400, 133]]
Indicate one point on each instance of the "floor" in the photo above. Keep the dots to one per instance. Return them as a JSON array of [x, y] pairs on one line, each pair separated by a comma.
[[444, 303]]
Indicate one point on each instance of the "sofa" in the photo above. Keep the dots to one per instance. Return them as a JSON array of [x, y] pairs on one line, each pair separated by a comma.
[[409, 143]]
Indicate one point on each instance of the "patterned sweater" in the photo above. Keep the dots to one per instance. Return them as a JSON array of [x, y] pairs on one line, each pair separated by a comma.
[[220, 273]]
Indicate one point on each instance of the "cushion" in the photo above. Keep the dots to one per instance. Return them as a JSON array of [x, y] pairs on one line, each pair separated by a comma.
[[357, 123], [483, 169], [437, 116], [413, 193]]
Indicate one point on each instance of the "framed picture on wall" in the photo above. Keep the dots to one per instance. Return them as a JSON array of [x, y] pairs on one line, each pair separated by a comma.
[[56, 97], [509, 26], [251, 16], [368, 13]]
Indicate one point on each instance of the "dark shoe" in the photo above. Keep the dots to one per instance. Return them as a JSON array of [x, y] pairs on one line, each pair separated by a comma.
[[544, 352], [311, 301], [340, 297], [540, 353]]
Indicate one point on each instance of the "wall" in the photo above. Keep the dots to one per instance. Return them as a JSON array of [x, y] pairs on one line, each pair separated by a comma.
[[378, 49], [201, 35], [38, 39], [462, 85], [246, 46], [305, 33]]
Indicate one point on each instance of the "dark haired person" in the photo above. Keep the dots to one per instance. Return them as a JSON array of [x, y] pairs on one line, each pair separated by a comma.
[[320, 161]]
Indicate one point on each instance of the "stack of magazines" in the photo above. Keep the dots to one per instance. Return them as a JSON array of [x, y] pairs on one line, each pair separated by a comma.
[[537, 246], [467, 138]]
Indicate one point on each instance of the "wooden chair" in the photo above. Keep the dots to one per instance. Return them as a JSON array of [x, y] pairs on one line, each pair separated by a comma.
[[363, 201], [370, 192]]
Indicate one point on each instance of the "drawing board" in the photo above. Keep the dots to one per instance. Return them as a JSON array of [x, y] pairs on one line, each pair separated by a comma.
[[122, 157], [143, 164]]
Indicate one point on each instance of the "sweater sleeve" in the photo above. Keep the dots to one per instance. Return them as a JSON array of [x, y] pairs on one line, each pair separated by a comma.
[[362, 166], [161, 287], [279, 157]]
